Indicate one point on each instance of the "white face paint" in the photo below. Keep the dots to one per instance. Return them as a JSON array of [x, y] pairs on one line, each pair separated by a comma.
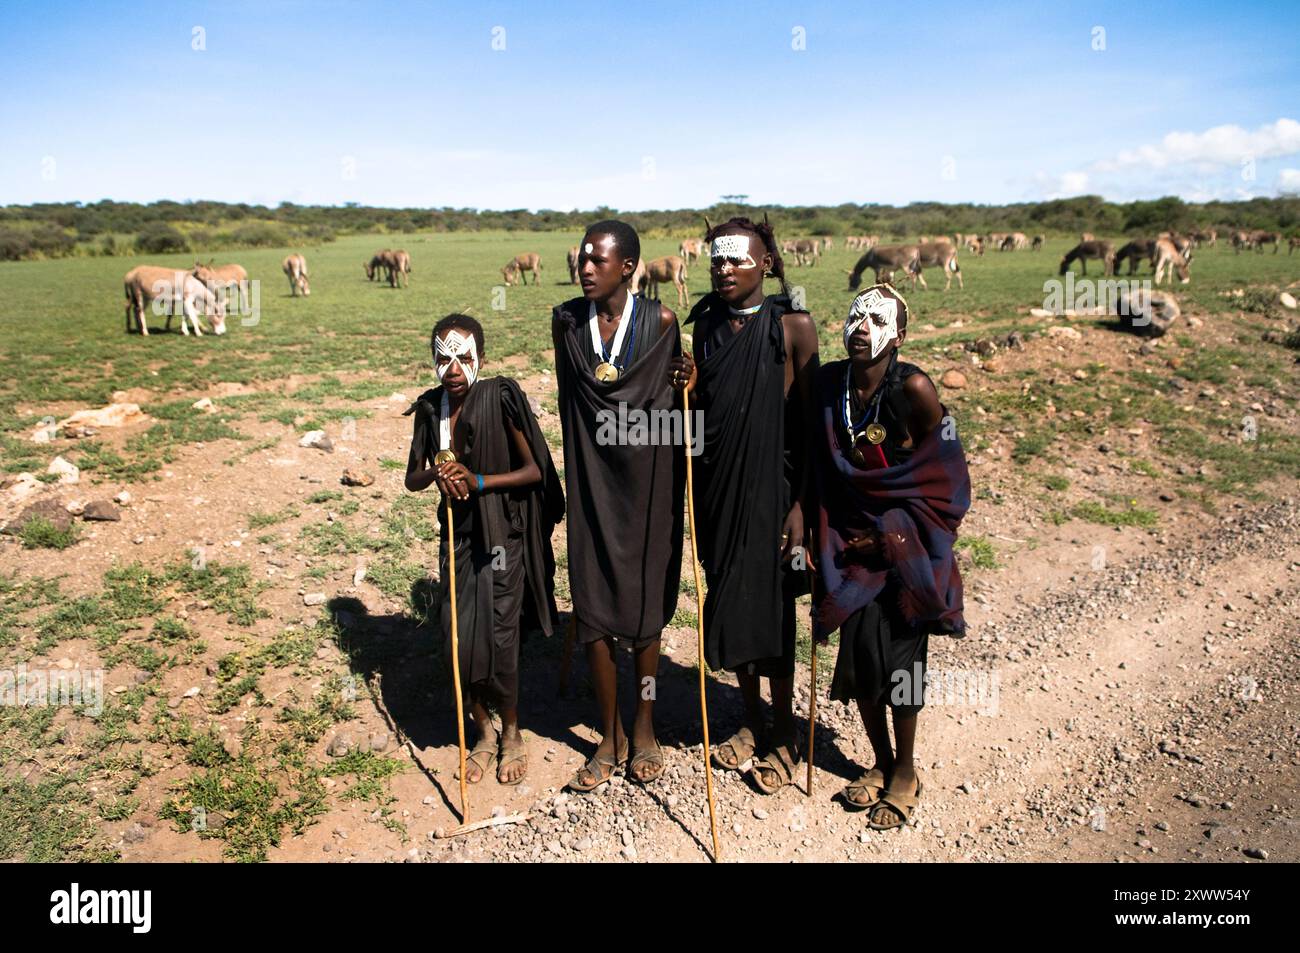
[[735, 247], [589, 248], [880, 312], [460, 349]]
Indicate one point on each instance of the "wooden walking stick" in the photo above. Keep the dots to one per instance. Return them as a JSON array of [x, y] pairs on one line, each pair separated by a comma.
[[812, 714], [455, 663], [699, 618]]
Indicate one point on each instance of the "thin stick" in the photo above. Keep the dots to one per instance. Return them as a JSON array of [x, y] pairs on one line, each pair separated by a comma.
[[699, 620], [455, 663], [480, 825], [812, 715]]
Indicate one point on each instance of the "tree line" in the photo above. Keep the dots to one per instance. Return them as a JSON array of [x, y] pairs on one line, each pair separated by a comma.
[[52, 230]]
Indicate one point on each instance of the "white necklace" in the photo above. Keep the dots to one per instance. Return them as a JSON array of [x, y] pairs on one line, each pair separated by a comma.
[[746, 311], [593, 322]]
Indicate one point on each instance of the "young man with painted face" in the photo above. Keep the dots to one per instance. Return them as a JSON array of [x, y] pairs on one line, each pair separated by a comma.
[[478, 440], [612, 350], [891, 488], [752, 374]]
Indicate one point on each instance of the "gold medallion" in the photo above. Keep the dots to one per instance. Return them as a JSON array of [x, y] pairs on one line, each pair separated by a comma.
[[444, 456], [858, 459], [606, 371], [875, 433]]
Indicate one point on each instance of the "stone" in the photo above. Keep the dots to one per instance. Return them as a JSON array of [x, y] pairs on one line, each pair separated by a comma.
[[102, 511], [66, 470], [1287, 299], [205, 404], [317, 440], [1258, 853], [314, 599], [1147, 313], [23, 487], [112, 415], [123, 499], [51, 510], [954, 380], [1063, 332], [356, 478]]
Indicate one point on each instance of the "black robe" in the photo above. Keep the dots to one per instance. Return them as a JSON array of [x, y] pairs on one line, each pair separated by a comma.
[[625, 501], [505, 567], [744, 488]]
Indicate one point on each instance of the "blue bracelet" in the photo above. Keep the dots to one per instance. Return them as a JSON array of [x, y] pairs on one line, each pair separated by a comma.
[[480, 482]]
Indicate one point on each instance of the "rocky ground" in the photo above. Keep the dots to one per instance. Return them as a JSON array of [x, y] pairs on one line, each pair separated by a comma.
[[1139, 689]]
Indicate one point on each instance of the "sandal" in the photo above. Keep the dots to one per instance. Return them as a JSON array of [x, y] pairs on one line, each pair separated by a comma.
[[871, 784], [513, 755], [741, 745], [594, 768], [781, 761], [900, 802], [481, 757], [653, 756]]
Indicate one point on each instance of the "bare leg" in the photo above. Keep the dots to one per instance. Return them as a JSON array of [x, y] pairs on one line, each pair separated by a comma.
[[873, 720], [511, 742], [903, 776], [604, 678], [486, 732], [643, 727]]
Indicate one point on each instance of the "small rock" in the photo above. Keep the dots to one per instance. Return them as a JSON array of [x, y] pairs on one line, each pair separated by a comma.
[[1064, 332], [954, 380], [314, 599], [66, 470], [357, 478], [1258, 853], [134, 834], [204, 403], [317, 439], [102, 511], [123, 499]]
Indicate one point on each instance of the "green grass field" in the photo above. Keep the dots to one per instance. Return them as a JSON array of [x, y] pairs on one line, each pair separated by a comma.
[[63, 319]]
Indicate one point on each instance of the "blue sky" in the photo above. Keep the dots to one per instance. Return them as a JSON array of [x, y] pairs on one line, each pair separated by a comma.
[[649, 105]]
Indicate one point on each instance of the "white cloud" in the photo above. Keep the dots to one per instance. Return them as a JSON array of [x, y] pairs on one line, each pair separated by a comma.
[[1180, 164], [1221, 146]]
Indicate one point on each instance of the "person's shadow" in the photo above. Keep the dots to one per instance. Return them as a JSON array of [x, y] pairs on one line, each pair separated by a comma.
[[403, 655]]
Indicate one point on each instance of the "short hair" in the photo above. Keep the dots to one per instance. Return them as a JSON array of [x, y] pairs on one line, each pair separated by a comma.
[[626, 242], [765, 234], [461, 322]]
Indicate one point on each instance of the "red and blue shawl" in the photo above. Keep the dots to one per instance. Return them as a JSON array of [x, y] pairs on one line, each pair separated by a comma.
[[917, 506]]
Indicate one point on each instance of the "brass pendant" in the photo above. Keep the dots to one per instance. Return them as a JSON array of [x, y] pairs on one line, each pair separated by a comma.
[[444, 456], [858, 459], [606, 371], [875, 433]]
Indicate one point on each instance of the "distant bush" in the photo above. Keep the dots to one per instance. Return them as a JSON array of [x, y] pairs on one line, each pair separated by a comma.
[[111, 245], [159, 238], [260, 235], [44, 241]]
